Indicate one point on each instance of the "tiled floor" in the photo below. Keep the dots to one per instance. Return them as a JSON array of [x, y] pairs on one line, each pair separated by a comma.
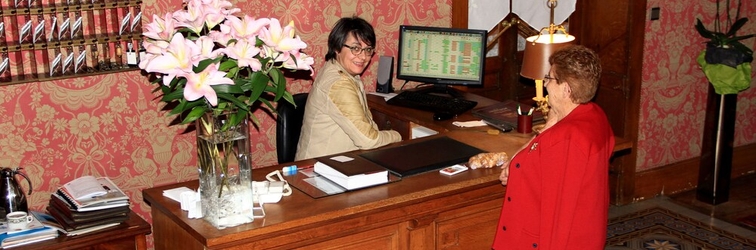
[[666, 202], [724, 216]]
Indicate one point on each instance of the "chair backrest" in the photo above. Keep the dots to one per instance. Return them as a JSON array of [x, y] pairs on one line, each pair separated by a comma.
[[289, 126]]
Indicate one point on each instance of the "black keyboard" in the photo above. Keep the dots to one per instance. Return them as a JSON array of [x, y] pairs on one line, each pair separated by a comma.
[[432, 103]]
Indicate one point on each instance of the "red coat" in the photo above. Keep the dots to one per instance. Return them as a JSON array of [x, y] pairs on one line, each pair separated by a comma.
[[558, 189]]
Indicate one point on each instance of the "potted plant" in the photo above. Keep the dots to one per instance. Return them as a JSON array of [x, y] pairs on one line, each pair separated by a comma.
[[215, 69], [726, 61]]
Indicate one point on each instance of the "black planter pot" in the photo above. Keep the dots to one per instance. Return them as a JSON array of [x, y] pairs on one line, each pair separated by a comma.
[[727, 56], [716, 148]]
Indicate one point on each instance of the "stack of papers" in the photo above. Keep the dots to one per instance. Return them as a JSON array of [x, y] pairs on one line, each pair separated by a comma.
[[34, 232]]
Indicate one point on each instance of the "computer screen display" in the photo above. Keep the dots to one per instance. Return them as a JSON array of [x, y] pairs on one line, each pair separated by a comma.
[[441, 56]]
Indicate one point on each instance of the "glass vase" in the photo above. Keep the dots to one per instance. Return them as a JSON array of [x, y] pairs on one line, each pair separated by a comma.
[[224, 169]]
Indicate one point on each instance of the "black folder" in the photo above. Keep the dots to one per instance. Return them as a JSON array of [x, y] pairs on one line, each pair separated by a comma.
[[424, 156]]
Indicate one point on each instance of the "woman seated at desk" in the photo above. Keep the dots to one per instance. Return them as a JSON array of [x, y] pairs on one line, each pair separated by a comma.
[[337, 118]]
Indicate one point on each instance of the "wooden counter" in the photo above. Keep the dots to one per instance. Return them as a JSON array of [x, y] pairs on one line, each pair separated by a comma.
[[425, 211], [131, 234]]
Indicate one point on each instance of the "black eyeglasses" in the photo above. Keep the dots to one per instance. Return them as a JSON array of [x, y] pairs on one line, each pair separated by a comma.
[[548, 78], [357, 50]]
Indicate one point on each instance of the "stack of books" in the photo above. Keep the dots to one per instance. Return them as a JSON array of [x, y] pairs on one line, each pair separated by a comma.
[[88, 204], [350, 171], [35, 231]]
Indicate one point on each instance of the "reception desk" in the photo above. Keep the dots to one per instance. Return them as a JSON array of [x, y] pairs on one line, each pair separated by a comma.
[[424, 211]]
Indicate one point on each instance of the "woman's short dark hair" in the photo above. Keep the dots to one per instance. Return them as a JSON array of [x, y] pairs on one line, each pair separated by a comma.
[[581, 68], [361, 29]]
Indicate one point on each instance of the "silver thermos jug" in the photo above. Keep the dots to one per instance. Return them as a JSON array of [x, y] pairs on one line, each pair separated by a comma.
[[12, 198]]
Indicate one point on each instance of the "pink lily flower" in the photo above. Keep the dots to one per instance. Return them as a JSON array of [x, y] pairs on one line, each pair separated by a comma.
[[300, 61], [176, 61], [244, 52], [160, 29], [198, 84], [247, 28], [207, 50], [192, 18], [281, 39]]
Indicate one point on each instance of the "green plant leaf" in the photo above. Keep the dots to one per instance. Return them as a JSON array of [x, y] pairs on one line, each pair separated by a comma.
[[736, 26], [228, 64], [279, 81], [185, 105], [267, 104], [705, 33], [742, 48], [174, 95], [259, 82], [227, 88], [195, 114], [231, 98]]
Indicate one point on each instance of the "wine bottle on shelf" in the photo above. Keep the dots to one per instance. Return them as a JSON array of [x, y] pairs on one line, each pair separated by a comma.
[[125, 21], [105, 63], [119, 57], [65, 25], [131, 56], [76, 30], [136, 22], [56, 63], [80, 64], [39, 30], [68, 61], [95, 57], [5, 71]]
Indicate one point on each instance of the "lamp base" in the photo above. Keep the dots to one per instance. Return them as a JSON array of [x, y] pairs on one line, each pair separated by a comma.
[[543, 106]]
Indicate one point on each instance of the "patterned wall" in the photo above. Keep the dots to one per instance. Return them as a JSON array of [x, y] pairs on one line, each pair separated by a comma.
[[111, 125], [673, 96]]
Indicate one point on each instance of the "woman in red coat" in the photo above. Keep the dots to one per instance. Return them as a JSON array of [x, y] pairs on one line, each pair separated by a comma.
[[557, 185]]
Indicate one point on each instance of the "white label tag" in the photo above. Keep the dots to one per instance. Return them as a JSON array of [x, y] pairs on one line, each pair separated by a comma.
[[131, 58]]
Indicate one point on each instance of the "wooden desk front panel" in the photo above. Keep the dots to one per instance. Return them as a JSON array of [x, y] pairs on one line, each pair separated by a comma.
[[131, 234], [462, 220]]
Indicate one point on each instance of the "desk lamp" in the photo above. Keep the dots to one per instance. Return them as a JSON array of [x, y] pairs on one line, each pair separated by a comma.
[[538, 48]]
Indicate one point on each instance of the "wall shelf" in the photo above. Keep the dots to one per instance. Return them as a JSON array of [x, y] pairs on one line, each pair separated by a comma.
[[82, 38]]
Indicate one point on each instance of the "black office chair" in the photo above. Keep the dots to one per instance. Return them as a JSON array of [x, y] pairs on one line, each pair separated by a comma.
[[289, 126]]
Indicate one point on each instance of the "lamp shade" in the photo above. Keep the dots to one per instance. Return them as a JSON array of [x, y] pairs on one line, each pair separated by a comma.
[[538, 48]]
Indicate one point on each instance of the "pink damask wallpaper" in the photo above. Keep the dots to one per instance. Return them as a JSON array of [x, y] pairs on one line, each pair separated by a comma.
[[111, 125], [673, 96]]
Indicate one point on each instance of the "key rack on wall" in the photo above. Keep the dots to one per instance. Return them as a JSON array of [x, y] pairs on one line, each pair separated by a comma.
[[42, 40]]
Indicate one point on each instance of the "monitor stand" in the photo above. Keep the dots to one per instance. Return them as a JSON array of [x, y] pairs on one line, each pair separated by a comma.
[[440, 89]]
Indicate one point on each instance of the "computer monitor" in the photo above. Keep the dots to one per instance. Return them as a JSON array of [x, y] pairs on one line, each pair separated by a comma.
[[441, 56]]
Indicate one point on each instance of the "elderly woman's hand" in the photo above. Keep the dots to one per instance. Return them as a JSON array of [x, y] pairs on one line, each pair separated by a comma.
[[488, 160]]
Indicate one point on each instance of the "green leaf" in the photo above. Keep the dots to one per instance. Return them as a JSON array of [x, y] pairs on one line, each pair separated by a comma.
[[231, 98], [175, 95], [705, 33], [267, 104], [228, 64], [195, 114], [289, 98], [742, 48], [736, 26], [202, 65], [185, 105], [259, 81], [227, 88], [279, 81]]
